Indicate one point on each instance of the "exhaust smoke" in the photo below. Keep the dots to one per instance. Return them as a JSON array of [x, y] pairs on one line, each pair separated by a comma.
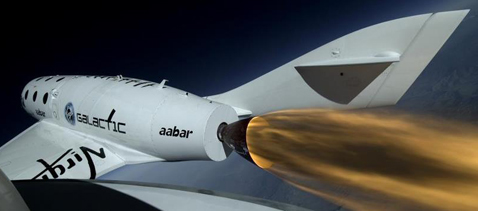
[[371, 159]]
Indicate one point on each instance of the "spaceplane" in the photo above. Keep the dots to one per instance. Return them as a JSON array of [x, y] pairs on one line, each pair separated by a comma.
[[90, 125]]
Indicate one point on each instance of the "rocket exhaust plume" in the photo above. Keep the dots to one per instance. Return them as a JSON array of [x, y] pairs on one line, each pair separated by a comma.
[[371, 159]]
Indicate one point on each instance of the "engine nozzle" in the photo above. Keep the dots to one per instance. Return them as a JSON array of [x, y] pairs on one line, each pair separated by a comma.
[[234, 136]]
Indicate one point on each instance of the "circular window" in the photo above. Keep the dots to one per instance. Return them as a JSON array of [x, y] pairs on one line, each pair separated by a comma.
[[45, 98], [26, 95], [34, 96]]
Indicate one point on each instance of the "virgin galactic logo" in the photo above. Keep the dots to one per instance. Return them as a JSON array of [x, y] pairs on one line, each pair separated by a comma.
[[59, 167], [70, 113]]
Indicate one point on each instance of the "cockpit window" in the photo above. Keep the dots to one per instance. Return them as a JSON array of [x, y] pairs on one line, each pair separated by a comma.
[[34, 96], [26, 95], [45, 98], [60, 79], [48, 79]]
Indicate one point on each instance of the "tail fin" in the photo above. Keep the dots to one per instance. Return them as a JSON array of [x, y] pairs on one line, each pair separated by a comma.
[[371, 67]]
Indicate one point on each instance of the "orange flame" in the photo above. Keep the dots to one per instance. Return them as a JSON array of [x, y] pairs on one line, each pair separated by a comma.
[[371, 159]]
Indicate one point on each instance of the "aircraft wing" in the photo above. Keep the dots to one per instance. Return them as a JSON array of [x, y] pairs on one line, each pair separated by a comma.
[[48, 151]]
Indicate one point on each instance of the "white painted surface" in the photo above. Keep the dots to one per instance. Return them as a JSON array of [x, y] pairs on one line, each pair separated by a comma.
[[115, 114], [177, 200], [409, 42], [49, 142]]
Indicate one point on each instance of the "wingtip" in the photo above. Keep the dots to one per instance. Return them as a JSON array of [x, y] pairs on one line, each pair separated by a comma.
[[464, 12]]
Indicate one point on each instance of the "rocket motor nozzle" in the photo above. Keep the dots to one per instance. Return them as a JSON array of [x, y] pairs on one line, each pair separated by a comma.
[[234, 136]]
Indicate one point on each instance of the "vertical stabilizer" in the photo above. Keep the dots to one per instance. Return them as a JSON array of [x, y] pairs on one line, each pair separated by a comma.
[[371, 67]]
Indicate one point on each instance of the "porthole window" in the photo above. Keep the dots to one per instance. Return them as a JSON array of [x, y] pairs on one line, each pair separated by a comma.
[[60, 79], [34, 96], [26, 95], [45, 98]]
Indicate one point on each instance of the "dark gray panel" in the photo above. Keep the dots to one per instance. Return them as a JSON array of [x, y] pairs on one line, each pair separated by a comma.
[[343, 83]]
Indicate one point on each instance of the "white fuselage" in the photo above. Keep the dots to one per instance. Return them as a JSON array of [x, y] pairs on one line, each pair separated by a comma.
[[151, 118]]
